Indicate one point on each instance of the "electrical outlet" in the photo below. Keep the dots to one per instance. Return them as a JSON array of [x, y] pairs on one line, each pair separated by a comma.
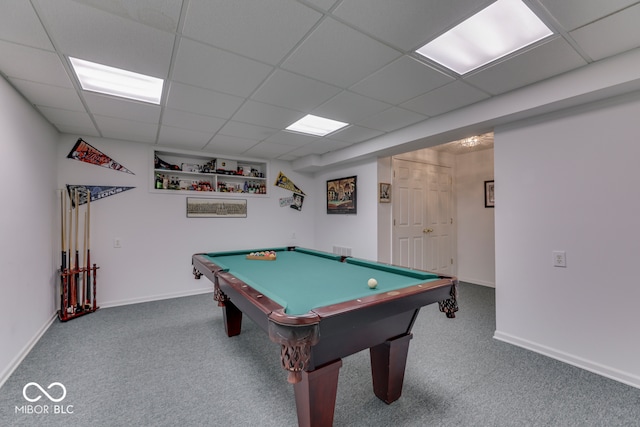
[[117, 242], [559, 259]]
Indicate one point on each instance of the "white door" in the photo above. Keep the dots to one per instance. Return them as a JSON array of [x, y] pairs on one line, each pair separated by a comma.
[[422, 216]]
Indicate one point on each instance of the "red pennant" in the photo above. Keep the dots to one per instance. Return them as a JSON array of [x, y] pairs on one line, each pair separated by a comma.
[[84, 152]]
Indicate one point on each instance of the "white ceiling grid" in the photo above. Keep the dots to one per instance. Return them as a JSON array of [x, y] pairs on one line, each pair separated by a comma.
[[238, 72]]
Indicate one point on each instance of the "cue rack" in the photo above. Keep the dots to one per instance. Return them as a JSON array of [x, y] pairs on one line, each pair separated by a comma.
[[77, 281]]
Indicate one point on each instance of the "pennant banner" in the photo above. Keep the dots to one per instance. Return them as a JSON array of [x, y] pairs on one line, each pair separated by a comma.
[[97, 192], [284, 182], [84, 152]]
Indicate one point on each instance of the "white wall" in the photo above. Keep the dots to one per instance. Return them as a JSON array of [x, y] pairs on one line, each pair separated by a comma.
[[385, 213], [27, 252], [475, 223], [157, 239], [570, 182], [358, 232]]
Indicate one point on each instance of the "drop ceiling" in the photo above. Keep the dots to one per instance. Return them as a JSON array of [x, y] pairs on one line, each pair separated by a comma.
[[239, 72]]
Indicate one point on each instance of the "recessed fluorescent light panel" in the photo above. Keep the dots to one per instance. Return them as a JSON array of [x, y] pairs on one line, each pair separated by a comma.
[[314, 125], [496, 31], [117, 82]]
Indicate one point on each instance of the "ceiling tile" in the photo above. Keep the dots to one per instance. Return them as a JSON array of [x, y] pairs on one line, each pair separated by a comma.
[[246, 131], [203, 101], [77, 29], [401, 80], [196, 122], [115, 107], [163, 15], [614, 34], [265, 30], [116, 128], [354, 134], [212, 68], [58, 116], [224, 144], [572, 14], [392, 119], [407, 24], [266, 115], [553, 57], [446, 98], [78, 131], [291, 138], [350, 107], [323, 4], [287, 157], [322, 146], [295, 92], [48, 95], [173, 136], [338, 55], [32, 64], [20, 24], [268, 150]]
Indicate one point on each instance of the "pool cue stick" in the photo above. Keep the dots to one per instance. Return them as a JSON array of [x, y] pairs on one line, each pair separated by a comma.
[[95, 283], [63, 253], [87, 261], [77, 265], [70, 257], [83, 297]]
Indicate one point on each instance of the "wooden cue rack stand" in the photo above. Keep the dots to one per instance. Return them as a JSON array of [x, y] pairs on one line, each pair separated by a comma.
[[72, 302], [77, 283]]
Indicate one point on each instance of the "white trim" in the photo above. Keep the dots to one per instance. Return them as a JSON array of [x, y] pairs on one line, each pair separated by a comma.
[[157, 297], [477, 282], [588, 365], [4, 376]]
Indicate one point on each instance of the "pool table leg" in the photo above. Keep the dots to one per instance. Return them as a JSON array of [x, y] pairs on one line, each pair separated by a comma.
[[232, 319], [316, 395], [388, 361]]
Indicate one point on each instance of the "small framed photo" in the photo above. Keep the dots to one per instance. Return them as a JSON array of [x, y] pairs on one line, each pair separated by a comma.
[[342, 196], [384, 192], [489, 195]]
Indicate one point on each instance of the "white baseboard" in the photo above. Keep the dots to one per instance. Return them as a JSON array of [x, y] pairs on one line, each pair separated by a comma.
[[13, 365], [588, 365], [476, 281], [117, 303]]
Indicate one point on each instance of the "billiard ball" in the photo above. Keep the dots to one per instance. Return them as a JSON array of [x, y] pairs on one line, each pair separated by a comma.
[[372, 283]]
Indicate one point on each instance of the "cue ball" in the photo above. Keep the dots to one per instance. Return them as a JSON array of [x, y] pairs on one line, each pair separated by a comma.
[[372, 283]]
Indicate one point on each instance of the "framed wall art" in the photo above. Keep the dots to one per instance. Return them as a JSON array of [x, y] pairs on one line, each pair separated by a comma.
[[384, 192], [198, 207], [342, 196], [489, 194]]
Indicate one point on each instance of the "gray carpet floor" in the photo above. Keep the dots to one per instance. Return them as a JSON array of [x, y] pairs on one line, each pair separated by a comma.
[[169, 363]]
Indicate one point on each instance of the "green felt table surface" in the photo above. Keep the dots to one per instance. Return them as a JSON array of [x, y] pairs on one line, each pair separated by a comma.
[[301, 280]]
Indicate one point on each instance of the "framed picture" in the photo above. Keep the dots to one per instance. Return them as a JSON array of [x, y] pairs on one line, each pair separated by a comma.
[[216, 208], [489, 195], [296, 203], [342, 196], [384, 192]]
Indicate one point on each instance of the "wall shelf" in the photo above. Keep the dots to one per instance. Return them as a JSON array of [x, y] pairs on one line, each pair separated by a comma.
[[178, 172]]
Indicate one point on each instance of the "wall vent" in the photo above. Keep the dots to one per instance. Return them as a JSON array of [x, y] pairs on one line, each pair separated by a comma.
[[341, 250]]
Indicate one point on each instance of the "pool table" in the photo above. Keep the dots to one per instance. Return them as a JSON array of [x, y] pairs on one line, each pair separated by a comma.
[[319, 308]]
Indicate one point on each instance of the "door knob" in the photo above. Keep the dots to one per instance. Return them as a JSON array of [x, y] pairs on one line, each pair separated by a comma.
[[428, 230]]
